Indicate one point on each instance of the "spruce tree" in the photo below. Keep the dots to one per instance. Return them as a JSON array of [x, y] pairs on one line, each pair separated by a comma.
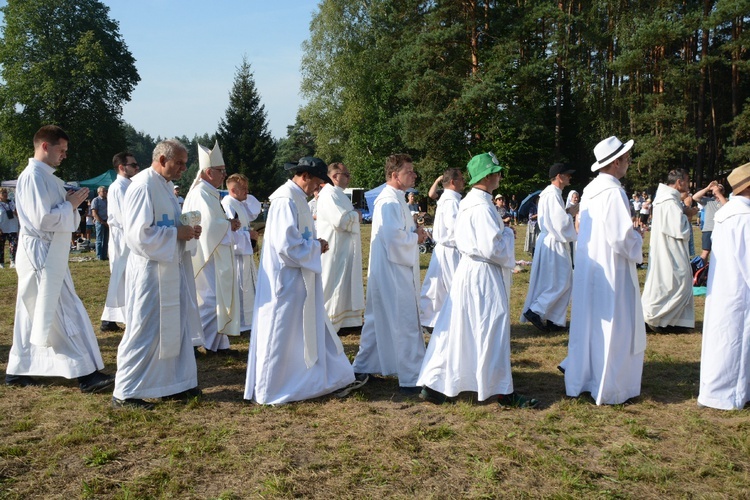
[[243, 135]]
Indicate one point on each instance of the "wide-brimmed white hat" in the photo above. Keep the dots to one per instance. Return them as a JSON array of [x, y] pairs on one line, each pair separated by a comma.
[[609, 150]]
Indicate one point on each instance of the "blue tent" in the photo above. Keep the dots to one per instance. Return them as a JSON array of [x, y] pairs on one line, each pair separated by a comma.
[[370, 199], [371, 195]]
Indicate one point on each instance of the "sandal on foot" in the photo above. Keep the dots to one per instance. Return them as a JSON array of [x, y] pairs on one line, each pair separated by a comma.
[[360, 379]]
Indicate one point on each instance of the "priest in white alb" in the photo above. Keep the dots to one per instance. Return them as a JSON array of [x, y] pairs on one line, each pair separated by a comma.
[[547, 299], [213, 256], [392, 342], [725, 356], [52, 332], [667, 298], [445, 255], [294, 353], [155, 358], [607, 332], [338, 224], [238, 204], [470, 346], [126, 167]]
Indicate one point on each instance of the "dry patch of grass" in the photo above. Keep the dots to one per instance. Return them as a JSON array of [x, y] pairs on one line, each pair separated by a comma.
[[57, 442]]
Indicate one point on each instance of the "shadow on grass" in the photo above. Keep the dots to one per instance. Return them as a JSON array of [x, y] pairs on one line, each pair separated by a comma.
[[670, 382], [665, 382], [224, 395], [529, 331], [666, 379]]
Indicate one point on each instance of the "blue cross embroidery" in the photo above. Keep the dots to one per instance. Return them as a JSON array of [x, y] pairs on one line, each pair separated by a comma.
[[307, 233], [165, 221]]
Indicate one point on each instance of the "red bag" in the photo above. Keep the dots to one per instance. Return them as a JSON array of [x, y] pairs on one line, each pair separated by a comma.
[[700, 278]]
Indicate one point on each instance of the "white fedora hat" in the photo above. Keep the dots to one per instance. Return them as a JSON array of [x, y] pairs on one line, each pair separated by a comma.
[[609, 150]]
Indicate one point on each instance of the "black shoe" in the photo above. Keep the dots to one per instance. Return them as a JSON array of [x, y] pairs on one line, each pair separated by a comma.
[[22, 381], [409, 391], [432, 396], [555, 328], [678, 329], [228, 353], [535, 320], [110, 326], [349, 330], [95, 382], [132, 404], [655, 329], [515, 400], [185, 396]]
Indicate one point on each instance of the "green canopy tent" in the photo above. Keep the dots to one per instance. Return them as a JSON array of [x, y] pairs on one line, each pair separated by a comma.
[[105, 180]]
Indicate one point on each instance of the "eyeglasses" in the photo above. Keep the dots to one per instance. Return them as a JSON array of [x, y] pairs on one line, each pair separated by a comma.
[[222, 171], [134, 165]]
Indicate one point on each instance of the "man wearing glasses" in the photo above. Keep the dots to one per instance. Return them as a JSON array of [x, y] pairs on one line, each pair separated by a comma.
[[213, 260], [114, 309]]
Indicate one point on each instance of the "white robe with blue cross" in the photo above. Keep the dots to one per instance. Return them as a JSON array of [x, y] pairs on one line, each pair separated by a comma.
[[155, 357]]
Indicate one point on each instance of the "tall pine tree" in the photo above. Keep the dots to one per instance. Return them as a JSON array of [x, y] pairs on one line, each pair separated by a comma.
[[243, 135], [533, 81]]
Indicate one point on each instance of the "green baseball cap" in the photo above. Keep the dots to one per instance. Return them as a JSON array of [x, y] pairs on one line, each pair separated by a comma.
[[483, 165]]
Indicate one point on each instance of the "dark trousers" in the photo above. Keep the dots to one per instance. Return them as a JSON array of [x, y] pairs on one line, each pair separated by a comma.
[[102, 240], [12, 239]]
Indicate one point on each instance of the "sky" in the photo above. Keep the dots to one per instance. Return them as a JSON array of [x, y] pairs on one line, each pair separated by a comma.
[[187, 53]]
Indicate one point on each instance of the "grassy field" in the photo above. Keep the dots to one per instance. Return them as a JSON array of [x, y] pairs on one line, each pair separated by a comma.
[[58, 443]]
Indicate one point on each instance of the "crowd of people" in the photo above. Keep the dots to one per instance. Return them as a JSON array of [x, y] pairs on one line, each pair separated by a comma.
[[183, 280]]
